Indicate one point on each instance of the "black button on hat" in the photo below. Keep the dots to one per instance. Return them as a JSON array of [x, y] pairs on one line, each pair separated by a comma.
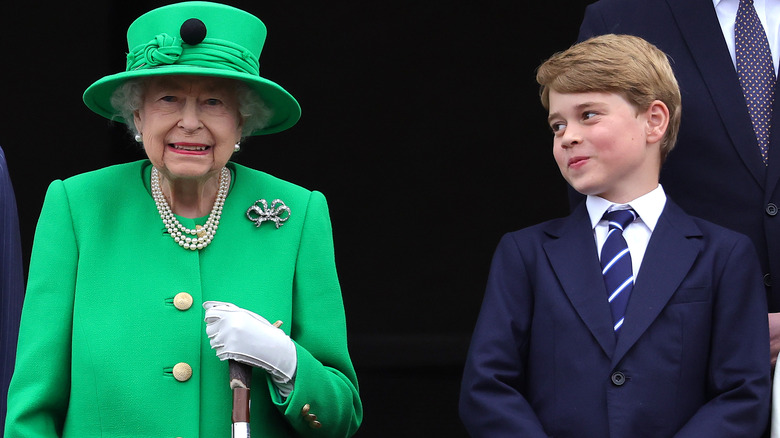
[[193, 31]]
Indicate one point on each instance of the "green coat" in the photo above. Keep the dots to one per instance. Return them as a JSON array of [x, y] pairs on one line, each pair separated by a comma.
[[100, 333]]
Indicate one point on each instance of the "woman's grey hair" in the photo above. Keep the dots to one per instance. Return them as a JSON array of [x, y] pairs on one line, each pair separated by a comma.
[[128, 98]]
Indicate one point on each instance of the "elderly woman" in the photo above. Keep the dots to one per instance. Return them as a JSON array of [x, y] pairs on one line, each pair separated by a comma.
[[141, 272]]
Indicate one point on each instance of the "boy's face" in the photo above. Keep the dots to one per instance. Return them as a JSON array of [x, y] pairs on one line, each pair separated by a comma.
[[603, 147]]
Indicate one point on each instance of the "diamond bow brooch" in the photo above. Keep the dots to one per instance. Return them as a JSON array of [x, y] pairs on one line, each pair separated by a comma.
[[260, 212]]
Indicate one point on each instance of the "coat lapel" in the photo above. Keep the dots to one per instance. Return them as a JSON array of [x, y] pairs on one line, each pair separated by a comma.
[[698, 25], [575, 262], [669, 257]]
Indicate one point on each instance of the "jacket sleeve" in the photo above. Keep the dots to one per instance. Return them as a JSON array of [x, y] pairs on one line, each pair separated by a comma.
[[492, 400], [592, 23], [11, 282], [325, 378], [739, 369], [39, 391]]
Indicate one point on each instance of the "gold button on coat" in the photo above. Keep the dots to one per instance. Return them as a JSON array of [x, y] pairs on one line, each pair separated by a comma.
[[182, 301], [182, 372]]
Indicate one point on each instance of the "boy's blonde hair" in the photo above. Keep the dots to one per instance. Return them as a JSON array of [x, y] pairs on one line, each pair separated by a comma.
[[621, 64]]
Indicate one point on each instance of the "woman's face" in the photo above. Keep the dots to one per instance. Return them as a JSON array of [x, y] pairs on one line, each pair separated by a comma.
[[189, 124]]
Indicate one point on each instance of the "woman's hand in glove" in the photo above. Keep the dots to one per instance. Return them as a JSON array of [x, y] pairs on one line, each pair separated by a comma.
[[247, 337]]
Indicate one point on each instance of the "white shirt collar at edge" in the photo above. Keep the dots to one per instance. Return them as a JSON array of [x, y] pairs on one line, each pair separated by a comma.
[[648, 206]]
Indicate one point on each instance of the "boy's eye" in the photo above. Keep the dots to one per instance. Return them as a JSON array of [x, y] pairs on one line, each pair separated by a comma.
[[557, 127], [588, 115]]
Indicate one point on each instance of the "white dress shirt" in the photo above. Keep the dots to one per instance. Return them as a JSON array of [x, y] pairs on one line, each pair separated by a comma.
[[637, 234], [769, 14]]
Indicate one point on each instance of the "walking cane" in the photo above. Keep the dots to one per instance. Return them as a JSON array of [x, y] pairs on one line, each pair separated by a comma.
[[240, 381]]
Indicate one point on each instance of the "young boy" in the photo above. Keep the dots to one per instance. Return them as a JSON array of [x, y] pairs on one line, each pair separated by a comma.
[[586, 331]]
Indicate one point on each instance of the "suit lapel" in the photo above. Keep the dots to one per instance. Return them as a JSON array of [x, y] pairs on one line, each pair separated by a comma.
[[773, 170], [669, 257], [699, 25], [575, 262]]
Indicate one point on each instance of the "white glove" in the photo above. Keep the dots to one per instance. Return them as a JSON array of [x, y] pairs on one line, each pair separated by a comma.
[[247, 337]]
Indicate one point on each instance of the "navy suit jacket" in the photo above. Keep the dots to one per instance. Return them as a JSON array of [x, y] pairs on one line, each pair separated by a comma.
[[691, 359], [11, 282], [716, 171]]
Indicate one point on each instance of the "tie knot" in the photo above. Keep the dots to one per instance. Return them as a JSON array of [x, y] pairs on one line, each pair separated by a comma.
[[620, 218]]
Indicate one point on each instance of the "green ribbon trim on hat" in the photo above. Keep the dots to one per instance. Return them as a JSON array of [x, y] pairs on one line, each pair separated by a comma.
[[213, 53]]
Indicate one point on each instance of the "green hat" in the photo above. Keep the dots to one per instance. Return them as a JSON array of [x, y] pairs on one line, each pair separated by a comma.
[[198, 38]]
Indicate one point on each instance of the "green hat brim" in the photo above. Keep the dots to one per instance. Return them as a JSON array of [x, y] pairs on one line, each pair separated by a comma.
[[285, 110]]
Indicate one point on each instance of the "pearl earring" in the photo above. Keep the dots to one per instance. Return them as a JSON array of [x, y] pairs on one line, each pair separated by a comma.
[[237, 147], [139, 138]]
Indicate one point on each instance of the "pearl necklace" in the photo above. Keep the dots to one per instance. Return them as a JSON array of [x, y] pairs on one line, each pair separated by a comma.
[[201, 235]]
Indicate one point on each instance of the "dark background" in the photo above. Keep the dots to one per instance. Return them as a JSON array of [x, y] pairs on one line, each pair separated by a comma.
[[421, 124]]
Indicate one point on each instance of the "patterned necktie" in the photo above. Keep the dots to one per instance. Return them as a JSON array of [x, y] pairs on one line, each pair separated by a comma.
[[616, 264], [755, 70]]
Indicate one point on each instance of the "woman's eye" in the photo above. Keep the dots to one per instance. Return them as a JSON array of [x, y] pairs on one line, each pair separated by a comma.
[[213, 102], [168, 99]]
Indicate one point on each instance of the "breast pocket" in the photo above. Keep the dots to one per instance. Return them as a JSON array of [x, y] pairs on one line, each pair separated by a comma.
[[691, 294]]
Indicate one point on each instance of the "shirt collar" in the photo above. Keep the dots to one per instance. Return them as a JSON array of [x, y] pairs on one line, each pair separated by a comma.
[[649, 207]]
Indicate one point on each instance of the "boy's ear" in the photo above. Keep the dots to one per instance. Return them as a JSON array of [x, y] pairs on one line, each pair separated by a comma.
[[657, 121]]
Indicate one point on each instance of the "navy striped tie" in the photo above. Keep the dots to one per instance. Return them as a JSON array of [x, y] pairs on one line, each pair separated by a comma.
[[616, 264]]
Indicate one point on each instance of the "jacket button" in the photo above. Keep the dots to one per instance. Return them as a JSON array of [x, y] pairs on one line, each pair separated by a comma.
[[618, 378], [182, 372], [768, 280], [182, 301], [771, 209]]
